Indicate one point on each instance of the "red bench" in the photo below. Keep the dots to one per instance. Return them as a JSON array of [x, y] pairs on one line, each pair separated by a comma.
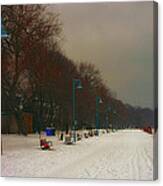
[[148, 130], [45, 145]]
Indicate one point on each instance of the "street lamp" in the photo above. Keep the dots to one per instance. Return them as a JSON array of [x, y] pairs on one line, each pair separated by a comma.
[[21, 106], [20, 101], [108, 109], [98, 101], [3, 31], [114, 112], [76, 84]]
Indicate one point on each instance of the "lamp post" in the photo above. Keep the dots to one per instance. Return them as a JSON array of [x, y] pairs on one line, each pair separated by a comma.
[[76, 84], [114, 113], [98, 101], [107, 117]]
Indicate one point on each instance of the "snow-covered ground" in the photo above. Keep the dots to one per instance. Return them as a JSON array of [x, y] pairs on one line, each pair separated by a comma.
[[126, 154]]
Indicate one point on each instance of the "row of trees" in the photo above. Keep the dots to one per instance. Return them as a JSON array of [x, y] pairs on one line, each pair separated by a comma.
[[37, 77]]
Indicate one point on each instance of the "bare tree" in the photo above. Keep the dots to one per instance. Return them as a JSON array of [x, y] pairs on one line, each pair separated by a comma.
[[27, 27]]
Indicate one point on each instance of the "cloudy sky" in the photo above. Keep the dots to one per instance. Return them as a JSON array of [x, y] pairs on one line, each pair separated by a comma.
[[118, 39]]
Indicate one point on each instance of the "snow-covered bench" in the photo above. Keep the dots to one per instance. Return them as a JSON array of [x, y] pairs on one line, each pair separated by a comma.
[[68, 140]]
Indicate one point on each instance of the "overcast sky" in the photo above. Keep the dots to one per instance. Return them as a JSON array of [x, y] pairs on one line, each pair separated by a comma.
[[118, 39]]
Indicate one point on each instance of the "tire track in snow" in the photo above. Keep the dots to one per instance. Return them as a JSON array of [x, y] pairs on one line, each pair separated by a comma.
[[146, 161], [133, 169], [148, 158]]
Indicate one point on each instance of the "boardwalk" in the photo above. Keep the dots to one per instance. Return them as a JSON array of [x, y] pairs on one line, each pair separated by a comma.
[[125, 154]]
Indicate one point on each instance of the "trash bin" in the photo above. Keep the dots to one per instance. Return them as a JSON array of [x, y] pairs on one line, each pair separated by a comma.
[[68, 140], [50, 131]]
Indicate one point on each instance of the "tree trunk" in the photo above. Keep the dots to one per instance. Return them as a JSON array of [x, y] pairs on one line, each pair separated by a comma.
[[22, 128]]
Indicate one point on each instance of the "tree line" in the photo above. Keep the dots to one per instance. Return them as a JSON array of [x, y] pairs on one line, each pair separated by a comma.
[[37, 77]]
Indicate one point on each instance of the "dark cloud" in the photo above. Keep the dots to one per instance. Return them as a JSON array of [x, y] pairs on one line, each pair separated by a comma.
[[118, 39]]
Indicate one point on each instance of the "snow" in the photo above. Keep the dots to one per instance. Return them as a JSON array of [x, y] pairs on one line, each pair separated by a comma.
[[125, 154]]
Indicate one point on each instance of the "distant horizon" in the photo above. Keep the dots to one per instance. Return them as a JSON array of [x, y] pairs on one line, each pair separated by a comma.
[[114, 37]]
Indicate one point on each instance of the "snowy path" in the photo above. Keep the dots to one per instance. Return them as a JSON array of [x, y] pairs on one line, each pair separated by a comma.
[[122, 155]]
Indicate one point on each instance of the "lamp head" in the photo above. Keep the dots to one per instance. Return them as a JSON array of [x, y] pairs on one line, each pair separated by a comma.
[[100, 100], [3, 31], [78, 84], [21, 107], [114, 112]]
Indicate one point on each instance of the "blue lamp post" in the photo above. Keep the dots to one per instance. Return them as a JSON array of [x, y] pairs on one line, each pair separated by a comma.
[[3, 31], [98, 101], [107, 117], [114, 113], [76, 84]]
